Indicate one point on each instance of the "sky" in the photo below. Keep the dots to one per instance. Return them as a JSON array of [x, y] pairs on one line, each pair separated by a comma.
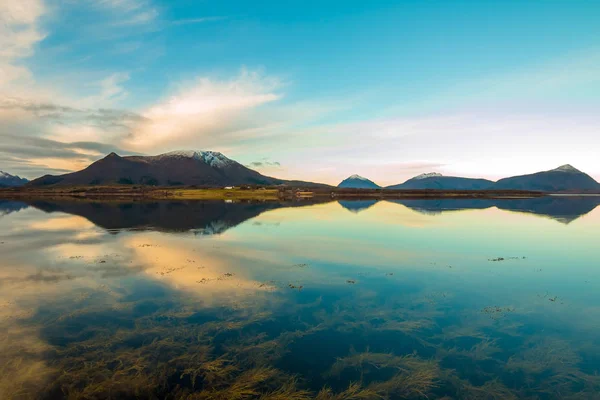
[[311, 90]]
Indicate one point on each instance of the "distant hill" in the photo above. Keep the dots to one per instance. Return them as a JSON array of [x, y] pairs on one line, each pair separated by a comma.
[[358, 182], [564, 179], [440, 182], [8, 180], [201, 168]]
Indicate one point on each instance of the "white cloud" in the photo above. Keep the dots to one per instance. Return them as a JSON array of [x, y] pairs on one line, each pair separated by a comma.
[[110, 91], [19, 33], [201, 20], [39, 119], [131, 12], [204, 108]]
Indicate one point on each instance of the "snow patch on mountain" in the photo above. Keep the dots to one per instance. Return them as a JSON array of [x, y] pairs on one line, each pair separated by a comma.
[[428, 175], [567, 168], [212, 158], [358, 177]]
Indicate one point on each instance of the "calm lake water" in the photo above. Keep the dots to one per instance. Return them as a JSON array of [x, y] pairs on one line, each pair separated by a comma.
[[453, 299]]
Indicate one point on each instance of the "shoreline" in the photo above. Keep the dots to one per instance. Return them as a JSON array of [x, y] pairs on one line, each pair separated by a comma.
[[259, 194]]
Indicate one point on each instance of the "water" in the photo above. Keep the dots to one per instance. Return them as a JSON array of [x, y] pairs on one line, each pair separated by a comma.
[[454, 299]]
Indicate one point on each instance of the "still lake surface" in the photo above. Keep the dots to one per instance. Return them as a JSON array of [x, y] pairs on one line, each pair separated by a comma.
[[454, 299]]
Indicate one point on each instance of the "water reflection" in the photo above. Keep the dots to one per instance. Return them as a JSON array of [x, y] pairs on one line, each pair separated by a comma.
[[297, 302], [563, 209], [8, 207], [215, 217], [357, 206], [205, 217]]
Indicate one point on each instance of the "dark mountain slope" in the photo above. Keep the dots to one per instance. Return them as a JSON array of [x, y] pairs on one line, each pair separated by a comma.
[[437, 181], [358, 182], [8, 180], [565, 179], [204, 168]]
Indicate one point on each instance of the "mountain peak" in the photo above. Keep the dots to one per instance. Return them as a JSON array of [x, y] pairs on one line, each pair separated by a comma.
[[567, 168], [7, 179], [428, 175], [358, 182], [212, 158]]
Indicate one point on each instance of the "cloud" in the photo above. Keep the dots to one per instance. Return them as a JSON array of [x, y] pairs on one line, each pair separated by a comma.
[[19, 27], [111, 88], [101, 117], [20, 31], [131, 12], [202, 20], [264, 163], [204, 108], [31, 156]]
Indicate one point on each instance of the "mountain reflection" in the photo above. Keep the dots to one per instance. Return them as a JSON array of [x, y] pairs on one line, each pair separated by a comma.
[[356, 206], [564, 209], [9, 207], [204, 217], [216, 217]]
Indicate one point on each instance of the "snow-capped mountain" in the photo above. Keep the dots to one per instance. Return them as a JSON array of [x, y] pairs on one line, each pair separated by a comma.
[[8, 180], [201, 168], [358, 182]]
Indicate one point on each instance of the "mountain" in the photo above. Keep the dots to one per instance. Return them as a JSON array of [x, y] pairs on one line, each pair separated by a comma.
[[8, 180], [438, 181], [201, 168], [564, 179], [358, 182]]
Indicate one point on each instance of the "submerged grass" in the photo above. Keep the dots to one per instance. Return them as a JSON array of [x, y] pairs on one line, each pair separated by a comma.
[[374, 348]]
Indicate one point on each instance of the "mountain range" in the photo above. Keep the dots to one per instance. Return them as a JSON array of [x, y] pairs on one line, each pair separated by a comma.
[[564, 179], [8, 180], [199, 168], [213, 169]]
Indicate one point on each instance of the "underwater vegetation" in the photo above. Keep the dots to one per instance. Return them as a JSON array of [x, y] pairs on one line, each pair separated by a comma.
[[110, 345]]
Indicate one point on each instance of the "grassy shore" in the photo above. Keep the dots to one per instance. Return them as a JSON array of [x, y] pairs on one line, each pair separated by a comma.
[[141, 192], [261, 194]]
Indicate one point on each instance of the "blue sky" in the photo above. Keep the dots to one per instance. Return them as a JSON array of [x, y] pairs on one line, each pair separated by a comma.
[[314, 90]]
